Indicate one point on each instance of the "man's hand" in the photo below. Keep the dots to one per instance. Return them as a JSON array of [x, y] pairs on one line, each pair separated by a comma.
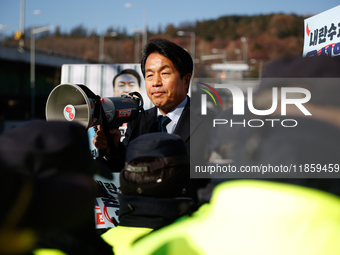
[[100, 142]]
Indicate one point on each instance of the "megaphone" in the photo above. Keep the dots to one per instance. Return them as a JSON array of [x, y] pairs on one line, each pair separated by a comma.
[[71, 102]]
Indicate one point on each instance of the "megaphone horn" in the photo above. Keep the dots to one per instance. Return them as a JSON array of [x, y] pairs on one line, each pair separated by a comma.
[[70, 102]]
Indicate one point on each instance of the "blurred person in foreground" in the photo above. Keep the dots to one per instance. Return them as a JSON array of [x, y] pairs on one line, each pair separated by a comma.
[[155, 189], [280, 214], [167, 69], [48, 191]]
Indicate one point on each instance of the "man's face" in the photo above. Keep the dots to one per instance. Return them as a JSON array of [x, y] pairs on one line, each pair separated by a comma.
[[163, 83], [125, 84]]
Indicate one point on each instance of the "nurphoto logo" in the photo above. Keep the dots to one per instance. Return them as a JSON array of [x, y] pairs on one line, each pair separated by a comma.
[[204, 97], [238, 100]]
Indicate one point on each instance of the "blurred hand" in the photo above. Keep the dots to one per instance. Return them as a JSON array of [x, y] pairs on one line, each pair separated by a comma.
[[100, 142]]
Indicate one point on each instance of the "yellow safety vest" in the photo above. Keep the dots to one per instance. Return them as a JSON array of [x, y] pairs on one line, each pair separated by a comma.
[[48, 252], [253, 217], [122, 238]]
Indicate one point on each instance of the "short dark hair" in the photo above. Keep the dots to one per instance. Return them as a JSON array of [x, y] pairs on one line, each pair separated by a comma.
[[178, 56], [310, 73], [127, 71]]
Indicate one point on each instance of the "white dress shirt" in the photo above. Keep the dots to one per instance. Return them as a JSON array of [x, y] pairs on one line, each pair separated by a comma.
[[174, 115]]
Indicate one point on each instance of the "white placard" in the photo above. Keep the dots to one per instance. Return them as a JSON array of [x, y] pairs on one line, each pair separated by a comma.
[[322, 34], [107, 208]]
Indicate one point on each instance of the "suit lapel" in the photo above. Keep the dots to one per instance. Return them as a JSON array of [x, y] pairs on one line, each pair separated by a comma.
[[149, 123], [187, 123]]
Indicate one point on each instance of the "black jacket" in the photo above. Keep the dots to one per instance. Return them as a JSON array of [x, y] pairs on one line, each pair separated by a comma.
[[148, 212], [190, 127]]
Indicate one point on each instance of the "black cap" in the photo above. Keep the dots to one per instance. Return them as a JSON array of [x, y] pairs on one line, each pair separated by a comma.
[[167, 147], [42, 147], [171, 152], [48, 165]]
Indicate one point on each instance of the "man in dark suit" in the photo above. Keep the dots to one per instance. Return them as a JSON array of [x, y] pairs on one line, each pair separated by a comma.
[[167, 69]]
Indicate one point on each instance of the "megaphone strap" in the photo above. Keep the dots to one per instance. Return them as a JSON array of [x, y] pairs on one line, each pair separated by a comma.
[[141, 106], [90, 94], [97, 110], [105, 125]]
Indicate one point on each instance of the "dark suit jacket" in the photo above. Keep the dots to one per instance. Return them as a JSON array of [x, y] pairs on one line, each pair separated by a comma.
[[192, 127], [148, 123]]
